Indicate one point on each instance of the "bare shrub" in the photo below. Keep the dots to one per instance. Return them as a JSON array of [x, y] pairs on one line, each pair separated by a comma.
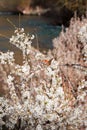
[[39, 93], [68, 52]]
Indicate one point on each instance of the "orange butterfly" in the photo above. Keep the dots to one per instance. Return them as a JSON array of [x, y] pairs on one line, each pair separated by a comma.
[[47, 62]]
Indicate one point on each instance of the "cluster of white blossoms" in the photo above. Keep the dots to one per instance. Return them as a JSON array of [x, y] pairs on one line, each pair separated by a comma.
[[7, 58], [47, 109], [21, 40], [82, 36], [37, 99]]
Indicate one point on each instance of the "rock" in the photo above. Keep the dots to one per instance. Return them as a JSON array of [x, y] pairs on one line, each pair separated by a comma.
[[60, 16]]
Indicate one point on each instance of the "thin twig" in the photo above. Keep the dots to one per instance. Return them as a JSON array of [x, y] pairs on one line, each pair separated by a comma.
[[37, 42], [19, 20], [11, 23], [4, 36]]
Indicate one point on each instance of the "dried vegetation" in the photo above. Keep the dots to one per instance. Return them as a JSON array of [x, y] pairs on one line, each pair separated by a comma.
[[46, 92]]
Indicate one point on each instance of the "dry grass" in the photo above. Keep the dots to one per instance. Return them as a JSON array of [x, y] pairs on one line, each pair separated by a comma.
[[68, 52]]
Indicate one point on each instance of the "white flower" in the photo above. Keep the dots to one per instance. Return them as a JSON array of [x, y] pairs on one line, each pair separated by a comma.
[[21, 30], [10, 79], [26, 69], [60, 91], [54, 81], [7, 57], [40, 98], [39, 56], [38, 127], [50, 72], [26, 95], [32, 37], [82, 35], [51, 117], [49, 105], [54, 64]]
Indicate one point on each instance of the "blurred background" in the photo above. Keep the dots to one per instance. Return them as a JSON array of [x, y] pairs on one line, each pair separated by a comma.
[[60, 10], [43, 18]]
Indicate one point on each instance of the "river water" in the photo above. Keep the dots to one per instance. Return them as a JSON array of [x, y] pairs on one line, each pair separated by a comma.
[[37, 25]]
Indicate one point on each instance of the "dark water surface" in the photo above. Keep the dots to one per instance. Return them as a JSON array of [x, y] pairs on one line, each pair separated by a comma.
[[39, 25]]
